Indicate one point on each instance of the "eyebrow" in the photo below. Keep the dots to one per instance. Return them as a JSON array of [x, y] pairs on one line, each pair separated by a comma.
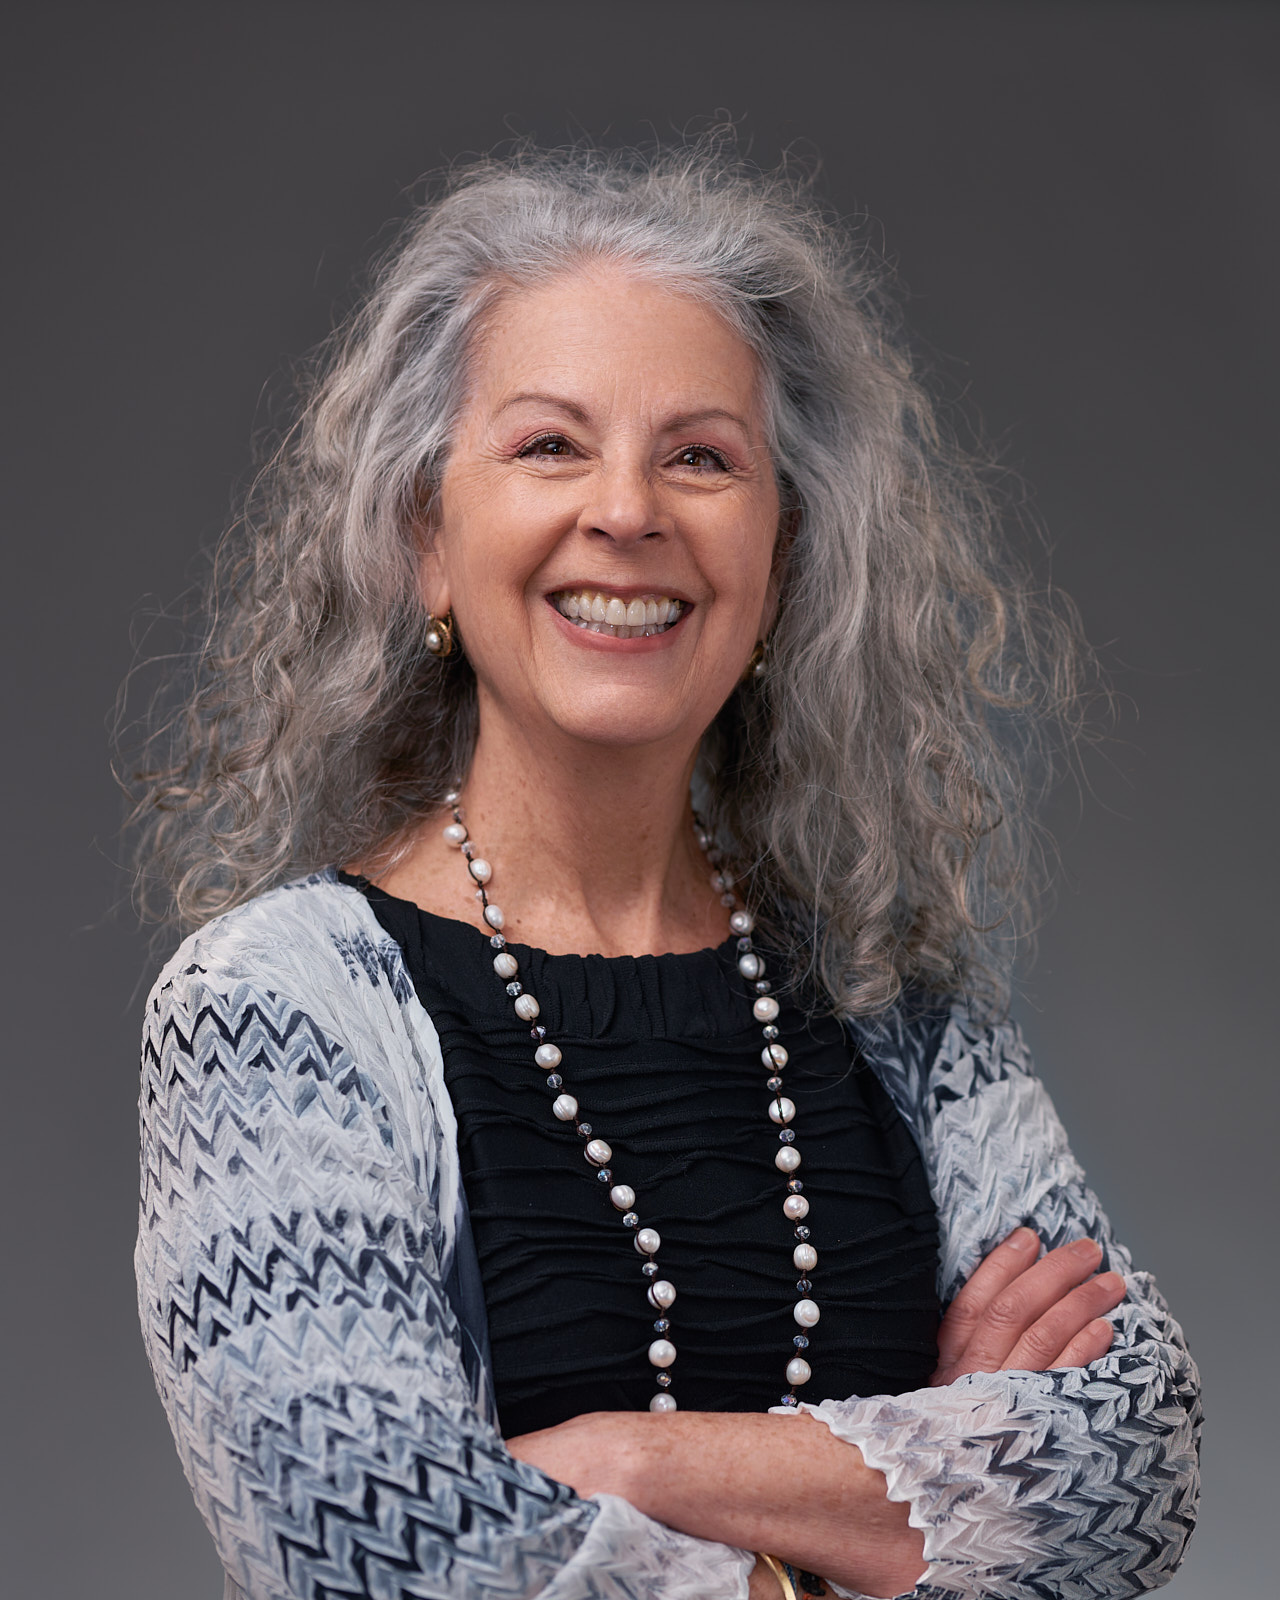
[[685, 419]]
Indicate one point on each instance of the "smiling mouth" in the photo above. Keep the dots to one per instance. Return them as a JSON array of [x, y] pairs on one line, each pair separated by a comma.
[[601, 612]]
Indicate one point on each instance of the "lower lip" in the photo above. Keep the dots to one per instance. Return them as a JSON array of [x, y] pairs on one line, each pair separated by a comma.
[[613, 646]]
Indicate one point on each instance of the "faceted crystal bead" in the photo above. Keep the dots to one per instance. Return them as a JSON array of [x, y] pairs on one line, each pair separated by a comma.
[[795, 1186], [651, 1270], [662, 1325], [496, 941], [803, 1286], [515, 989], [802, 1232], [554, 1081], [605, 1174], [631, 1220], [537, 1032], [773, 1084], [787, 1135], [583, 1130], [771, 1032], [764, 986], [743, 944], [801, 1342]]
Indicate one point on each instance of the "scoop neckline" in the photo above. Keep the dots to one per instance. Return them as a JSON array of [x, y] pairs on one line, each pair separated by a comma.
[[725, 950]]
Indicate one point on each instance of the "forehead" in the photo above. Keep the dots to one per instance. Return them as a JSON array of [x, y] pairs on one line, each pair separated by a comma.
[[608, 334]]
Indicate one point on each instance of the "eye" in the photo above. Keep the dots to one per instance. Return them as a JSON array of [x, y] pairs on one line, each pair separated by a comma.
[[701, 458], [547, 446]]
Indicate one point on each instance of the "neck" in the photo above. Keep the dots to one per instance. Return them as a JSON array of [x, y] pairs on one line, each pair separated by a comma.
[[592, 848]]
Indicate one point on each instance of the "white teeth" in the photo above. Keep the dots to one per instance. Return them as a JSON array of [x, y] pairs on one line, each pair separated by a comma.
[[621, 619]]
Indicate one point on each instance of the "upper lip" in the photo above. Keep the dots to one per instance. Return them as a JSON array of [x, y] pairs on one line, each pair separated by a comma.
[[623, 591]]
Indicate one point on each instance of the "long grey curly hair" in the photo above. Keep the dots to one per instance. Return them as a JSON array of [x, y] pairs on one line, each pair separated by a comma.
[[870, 788]]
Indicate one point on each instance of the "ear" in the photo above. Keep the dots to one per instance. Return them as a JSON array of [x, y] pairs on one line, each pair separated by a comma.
[[788, 527], [433, 584]]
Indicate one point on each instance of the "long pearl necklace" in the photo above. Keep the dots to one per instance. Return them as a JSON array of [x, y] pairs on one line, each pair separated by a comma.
[[547, 1056]]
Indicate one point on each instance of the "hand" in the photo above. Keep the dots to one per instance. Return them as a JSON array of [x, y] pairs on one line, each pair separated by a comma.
[[1022, 1315]]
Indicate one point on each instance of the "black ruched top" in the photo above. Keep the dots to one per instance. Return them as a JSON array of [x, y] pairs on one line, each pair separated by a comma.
[[663, 1056]]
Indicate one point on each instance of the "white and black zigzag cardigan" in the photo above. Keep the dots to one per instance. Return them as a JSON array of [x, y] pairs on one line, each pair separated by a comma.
[[313, 1314]]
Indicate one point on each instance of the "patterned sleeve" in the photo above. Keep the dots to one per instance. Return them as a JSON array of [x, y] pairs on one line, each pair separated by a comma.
[[290, 1287], [1071, 1484]]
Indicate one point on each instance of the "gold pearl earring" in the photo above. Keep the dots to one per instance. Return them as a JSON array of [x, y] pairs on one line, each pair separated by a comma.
[[439, 637], [754, 669]]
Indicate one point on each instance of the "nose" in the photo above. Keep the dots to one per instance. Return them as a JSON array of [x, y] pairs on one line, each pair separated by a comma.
[[624, 505]]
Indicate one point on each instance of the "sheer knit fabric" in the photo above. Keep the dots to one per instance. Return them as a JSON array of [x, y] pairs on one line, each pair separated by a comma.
[[312, 1310]]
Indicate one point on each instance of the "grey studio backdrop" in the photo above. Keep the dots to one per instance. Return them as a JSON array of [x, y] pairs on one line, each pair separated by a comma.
[[1081, 200]]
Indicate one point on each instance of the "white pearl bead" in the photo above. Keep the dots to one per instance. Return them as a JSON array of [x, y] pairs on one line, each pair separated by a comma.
[[599, 1153], [795, 1206], [452, 798], [765, 1008], [782, 1110], [750, 965], [774, 1055], [806, 1313], [548, 1055], [480, 869], [662, 1402], [454, 834], [648, 1241], [662, 1295], [787, 1159], [565, 1107], [662, 1352], [527, 1008], [805, 1257], [493, 916], [742, 922], [505, 964], [798, 1372], [623, 1196]]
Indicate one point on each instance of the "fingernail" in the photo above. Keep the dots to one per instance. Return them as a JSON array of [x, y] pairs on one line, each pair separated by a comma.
[[1110, 1283], [1086, 1249], [1021, 1239]]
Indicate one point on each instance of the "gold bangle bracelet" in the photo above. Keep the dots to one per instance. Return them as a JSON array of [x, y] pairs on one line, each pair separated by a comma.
[[775, 1566]]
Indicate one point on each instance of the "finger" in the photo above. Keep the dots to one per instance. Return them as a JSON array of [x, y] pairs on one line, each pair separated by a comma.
[[1090, 1344], [1011, 1312], [1048, 1335], [995, 1272]]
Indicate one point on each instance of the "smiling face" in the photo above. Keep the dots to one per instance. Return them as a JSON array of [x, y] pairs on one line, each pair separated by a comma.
[[605, 529]]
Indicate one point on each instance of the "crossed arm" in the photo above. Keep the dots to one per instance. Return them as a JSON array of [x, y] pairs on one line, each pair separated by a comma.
[[785, 1483]]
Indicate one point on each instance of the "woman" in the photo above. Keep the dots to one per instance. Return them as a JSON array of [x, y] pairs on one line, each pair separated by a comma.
[[618, 486]]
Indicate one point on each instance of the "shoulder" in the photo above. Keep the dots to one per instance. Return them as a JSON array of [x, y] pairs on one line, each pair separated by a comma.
[[933, 1051], [314, 939]]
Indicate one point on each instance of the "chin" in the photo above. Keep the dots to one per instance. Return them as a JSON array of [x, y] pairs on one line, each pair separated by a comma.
[[625, 722]]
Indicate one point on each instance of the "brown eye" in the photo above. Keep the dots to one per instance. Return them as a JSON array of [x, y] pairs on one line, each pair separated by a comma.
[[551, 445], [702, 458]]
